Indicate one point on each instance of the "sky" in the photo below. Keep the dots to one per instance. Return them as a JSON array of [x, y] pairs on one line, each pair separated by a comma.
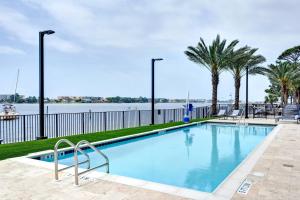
[[104, 48]]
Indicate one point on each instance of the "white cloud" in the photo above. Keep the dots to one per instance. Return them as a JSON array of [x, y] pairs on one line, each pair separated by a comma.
[[21, 27], [123, 23], [17, 25], [63, 45], [167, 24], [134, 30], [11, 51]]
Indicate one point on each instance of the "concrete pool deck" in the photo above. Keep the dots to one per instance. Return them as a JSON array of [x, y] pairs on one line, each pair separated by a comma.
[[274, 176], [23, 181]]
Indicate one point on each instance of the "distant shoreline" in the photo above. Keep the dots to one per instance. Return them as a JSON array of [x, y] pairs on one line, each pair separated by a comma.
[[110, 102]]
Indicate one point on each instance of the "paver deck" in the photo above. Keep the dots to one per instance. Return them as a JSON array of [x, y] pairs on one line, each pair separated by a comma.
[[278, 169], [26, 182]]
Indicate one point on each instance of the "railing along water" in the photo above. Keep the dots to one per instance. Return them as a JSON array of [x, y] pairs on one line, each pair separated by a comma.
[[26, 127]]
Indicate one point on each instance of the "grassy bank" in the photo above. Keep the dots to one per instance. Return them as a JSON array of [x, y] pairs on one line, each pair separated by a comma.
[[24, 148]]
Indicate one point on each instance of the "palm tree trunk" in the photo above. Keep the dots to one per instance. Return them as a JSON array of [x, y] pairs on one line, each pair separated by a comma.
[[237, 85], [298, 96], [285, 95], [282, 95], [215, 82]]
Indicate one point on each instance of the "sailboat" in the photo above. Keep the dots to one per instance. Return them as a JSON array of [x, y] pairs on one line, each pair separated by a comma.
[[9, 110]]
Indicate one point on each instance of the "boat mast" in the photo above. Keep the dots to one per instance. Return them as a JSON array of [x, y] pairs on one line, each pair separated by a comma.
[[187, 102], [16, 85]]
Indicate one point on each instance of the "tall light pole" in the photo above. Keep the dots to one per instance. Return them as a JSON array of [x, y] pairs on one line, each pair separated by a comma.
[[152, 88], [41, 81], [246, 108]]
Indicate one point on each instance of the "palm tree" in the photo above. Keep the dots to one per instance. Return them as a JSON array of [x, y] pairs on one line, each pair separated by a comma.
[[215, 58], [242, 59], [295, 88], [273, 94], [283, 74]]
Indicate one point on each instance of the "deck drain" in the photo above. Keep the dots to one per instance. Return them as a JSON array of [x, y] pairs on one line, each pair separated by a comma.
[[258, 174], [288, 165], [245, 187]]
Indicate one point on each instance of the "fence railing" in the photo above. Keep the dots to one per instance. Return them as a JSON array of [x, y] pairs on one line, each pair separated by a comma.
[[26, 127]]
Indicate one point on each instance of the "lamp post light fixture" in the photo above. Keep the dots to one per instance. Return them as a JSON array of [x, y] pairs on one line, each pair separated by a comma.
[[41, 81], [246, 106], [152, 88]]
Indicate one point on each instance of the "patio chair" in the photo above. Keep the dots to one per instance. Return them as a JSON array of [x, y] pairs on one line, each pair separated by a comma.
[[290, 112], [234, 114], [221, 113], [297, 117]]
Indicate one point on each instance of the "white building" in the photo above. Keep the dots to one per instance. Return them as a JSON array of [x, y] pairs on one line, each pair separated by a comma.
[[4, 97]]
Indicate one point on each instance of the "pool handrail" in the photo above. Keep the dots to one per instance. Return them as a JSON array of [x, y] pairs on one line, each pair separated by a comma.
[[56, 170], [77, 148]]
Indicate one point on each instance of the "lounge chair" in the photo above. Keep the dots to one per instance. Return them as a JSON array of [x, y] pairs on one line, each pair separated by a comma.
[[221, 113], [297, 117], [290, 112], [234, 114]]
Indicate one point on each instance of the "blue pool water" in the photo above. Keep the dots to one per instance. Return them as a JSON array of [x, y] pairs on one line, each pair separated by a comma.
[[197, 157]]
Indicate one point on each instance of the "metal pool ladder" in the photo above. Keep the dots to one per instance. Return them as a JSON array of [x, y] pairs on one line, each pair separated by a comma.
[[76, 162], [56, 170], [77, 149]]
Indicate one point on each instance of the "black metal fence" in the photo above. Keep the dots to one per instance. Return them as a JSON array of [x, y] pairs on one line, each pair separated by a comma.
[[26, 127]]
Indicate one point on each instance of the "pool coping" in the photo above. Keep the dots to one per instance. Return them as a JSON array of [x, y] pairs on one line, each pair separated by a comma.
[[225, 189]]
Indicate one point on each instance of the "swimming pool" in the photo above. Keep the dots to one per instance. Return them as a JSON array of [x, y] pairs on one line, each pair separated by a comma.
[[197, 157]]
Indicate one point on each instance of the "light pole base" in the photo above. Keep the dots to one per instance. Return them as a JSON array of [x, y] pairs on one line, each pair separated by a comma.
[[41, 138]]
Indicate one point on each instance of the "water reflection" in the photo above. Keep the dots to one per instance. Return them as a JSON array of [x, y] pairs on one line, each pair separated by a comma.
[[237, 146], [188, 140], [214, 158], [206, 175], [207, 178]]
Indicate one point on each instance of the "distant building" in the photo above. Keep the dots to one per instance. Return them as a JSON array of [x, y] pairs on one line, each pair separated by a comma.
[[5, 97], [80, 99]]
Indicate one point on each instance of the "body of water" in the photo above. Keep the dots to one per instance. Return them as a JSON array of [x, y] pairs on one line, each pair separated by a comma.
[[96, 107]]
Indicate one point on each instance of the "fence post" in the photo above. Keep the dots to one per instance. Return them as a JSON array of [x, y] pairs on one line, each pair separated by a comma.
[[174, 117], [123, 119], [164, 116], [139, 117], [24, 128], [82, 122], [56, 126], [105, 121]]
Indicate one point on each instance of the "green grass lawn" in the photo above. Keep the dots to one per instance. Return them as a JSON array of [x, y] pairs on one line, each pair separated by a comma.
[[24, 148]]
